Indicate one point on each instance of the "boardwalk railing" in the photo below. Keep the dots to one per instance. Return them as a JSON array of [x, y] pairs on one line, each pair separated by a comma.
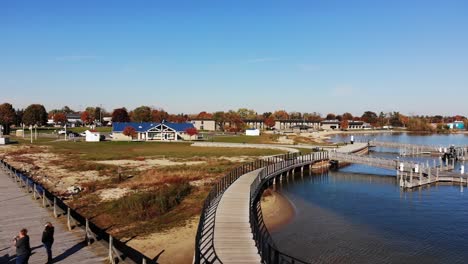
[[118, 251], [204, 241], [265, 244]]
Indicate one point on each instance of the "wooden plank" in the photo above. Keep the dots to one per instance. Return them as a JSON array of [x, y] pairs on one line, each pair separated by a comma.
[[18, 210], [233, 238]]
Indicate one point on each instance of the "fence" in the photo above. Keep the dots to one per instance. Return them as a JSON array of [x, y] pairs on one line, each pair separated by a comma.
[[204, 246], [118, 251], [265, 244]]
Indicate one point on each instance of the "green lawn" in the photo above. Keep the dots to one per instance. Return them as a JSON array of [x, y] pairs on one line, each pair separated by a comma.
[[262, 139], [110, 150]]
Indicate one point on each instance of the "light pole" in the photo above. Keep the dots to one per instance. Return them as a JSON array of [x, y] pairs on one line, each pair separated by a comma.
[[31, 130], [65, 128]]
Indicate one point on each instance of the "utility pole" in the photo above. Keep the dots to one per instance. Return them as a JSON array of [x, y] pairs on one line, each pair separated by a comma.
[[100, 115]]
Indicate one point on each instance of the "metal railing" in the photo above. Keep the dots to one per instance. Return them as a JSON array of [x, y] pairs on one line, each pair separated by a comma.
[[118, 251], [204, 244], [268, 251]]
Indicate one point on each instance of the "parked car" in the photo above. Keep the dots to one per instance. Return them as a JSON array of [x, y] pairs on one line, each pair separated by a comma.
[[83, 134]]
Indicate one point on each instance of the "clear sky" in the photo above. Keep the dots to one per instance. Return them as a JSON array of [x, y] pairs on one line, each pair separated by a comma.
[[189, 56]]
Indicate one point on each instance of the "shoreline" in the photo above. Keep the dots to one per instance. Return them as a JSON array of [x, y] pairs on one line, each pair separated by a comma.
[[277, 210]]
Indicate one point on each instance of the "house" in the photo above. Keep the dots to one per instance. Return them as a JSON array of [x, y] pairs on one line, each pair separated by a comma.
[[254, 123], [359, 125], [294, 124], [456, 125], [252, 132], [92, 136], [74, 120], [204, 124], [149, 131], [330, 124]]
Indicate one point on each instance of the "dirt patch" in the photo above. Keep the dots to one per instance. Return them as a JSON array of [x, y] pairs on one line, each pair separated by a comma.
[[145, 164], [175, 245], [113, 193]]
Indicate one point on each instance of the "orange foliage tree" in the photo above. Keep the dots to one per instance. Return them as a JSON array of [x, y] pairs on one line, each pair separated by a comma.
[[129, 131]]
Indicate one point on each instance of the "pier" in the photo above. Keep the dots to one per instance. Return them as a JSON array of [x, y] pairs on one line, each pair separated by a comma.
[[21, 210]]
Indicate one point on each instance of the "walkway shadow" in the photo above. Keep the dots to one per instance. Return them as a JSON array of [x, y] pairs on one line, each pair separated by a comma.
[[69, 252], [155, 259], [36, 247]]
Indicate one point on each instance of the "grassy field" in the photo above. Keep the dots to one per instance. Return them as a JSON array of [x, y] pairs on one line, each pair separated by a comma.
[[109, 150], [262, 139], [159, 197]]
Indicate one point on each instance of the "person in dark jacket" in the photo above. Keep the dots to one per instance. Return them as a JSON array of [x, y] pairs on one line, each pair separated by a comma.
[[23, 248], [48, 240]]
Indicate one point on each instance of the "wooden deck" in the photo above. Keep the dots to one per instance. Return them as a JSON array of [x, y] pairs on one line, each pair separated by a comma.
[[233, 239], [18, 210]]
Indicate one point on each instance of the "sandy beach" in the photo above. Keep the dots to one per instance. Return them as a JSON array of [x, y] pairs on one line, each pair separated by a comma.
[[277, 210]]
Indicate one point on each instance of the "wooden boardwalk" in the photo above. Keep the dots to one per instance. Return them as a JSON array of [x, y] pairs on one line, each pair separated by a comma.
[[233, 239], [18, 210]]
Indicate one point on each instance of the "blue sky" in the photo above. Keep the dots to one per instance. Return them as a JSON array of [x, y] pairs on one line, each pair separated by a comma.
[[189, 56]]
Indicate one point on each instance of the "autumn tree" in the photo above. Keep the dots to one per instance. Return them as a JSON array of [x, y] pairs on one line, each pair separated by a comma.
[[313, 117], [141, 114], [158, 115], [295, 115], [281, 115], [330, 116], [129, 131], [369, 117], [204, 116], [191, 131], [270, 121], [87, 118], [267, 114], [120, 115], [245, 113], [60, 118], [180, 118], [347, 116], [19, 117], [344, 124], [7, 117], [220, 118], [35, 114], [236, 124]]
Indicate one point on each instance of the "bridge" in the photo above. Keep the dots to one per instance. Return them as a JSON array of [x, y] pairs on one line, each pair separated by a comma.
[[457, 152], [231, 227]]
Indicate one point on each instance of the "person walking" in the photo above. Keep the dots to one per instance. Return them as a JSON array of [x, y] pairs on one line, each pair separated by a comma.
[[48, 240], [23, 248]]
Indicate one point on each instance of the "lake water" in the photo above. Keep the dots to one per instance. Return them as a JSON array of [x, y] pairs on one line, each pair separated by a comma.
[[359, 214]]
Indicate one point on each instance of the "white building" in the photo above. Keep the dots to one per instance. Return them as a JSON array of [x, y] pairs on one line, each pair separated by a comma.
[[92, 136]]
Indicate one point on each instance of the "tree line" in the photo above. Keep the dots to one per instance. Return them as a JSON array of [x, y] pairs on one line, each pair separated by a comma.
[[232, 120]]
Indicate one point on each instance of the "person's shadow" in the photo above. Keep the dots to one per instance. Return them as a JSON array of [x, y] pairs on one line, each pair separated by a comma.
[[69, 252]]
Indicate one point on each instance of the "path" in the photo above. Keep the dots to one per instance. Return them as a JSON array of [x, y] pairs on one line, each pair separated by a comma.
[[18, 210], [233, 239]]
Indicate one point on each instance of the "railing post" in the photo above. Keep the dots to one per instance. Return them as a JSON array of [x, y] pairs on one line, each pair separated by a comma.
[[69, 219], [55, 207], [111, 258], [43, 199], [88, 241], [34, 191]]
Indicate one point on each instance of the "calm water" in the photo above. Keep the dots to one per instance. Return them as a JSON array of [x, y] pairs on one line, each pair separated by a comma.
[[359, 215]]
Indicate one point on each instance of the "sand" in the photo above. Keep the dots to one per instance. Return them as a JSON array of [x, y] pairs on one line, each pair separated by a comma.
[[176, 245], [277, 211]]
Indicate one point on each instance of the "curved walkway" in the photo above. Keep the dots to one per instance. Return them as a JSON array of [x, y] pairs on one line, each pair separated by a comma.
[[233, 239], [18, 211]]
